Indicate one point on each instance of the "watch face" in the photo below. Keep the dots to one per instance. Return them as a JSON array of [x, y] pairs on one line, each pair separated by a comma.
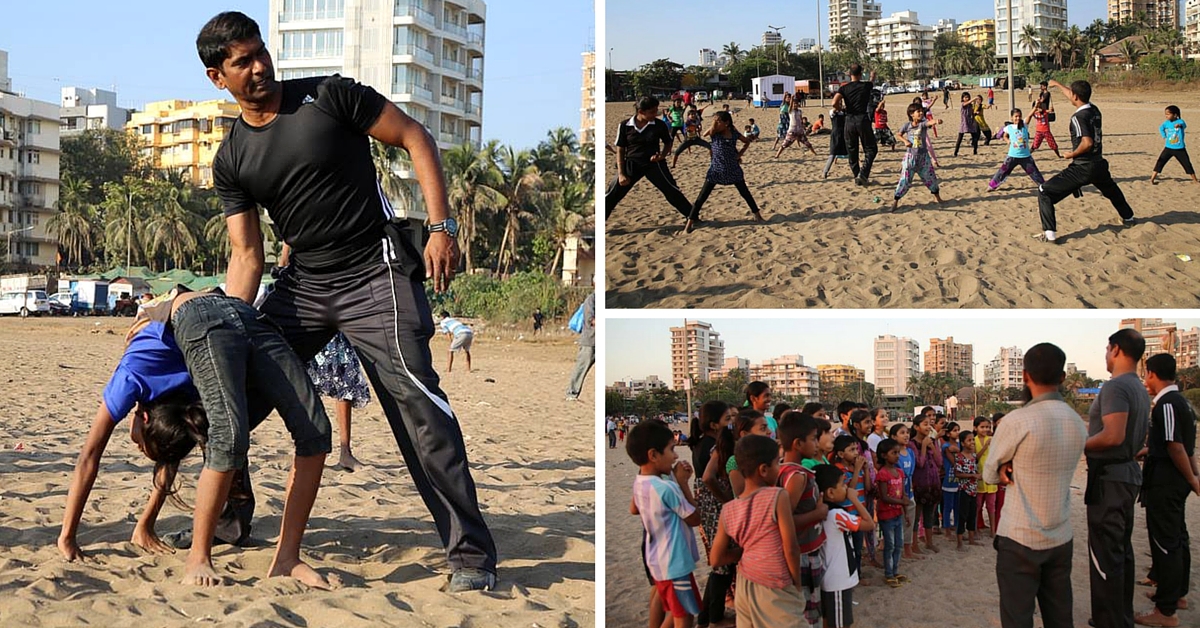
[[451, 227]]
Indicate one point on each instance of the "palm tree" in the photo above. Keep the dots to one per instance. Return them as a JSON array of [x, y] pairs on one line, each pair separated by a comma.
[[73, 224], [387, 159], [733, 52], [567, 213], [473, 186], [216, 233], [520, 182], [1029, 40], [1058, 46], [124, 205], [1131, 50], [173, 228]]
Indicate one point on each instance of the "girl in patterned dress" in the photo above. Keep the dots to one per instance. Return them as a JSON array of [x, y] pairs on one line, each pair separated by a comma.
[[914, 134], [336, 373], [725, 168]]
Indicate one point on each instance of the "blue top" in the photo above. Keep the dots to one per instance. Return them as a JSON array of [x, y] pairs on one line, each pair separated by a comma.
[[670, 544], [949, 481], [725, 169], [1172, 132], [907, 464], [452, 326], [151, 367], [1018, 141]]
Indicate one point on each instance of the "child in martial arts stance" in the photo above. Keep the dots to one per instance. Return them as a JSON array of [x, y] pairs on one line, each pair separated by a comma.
[[1172, 133], [883, 135], [1018, 153], [915, 134], [1041, 129], [725, 169]]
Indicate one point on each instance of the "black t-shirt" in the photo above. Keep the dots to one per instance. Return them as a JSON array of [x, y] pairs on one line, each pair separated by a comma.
[[1044, 99], [701, 452], [642, 144], [1171, 421], [1086, 123], [311, 169], [857, 96]]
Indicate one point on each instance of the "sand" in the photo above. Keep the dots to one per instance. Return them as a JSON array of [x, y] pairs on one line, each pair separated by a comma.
[[949, 589], [369, 529], [830, 244]]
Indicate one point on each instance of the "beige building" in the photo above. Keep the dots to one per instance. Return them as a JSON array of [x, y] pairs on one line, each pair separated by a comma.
[[1045, 16], [1004, 371], [851, 16], [788, 376], [730, 365], [1159, 13], [1165, 337], [896, 360], [1187, 354], [182, 135], [834, 375], [29, 161], [587, 111], [977, 32], [630, 388], [696, 352], [902, 39], [947, 356], [1191, 28]]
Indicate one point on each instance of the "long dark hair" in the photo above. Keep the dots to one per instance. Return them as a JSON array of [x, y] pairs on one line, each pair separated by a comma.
[[176, 423], [711, 414], [744, 422], [755, 389], [1021, 124]]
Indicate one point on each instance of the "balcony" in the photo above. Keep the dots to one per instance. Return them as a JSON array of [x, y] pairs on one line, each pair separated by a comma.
[[419, 14], [475, 39], [454, 66], [417, 91], [415, 51], [329, 13], [455, 29]]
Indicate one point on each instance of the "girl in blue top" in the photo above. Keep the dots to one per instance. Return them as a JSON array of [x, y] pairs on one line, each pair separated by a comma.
[[1172, 134], [1018, 153]]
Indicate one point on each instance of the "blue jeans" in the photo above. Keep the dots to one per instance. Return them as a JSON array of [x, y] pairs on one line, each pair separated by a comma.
[[949, 509], [893, 544]]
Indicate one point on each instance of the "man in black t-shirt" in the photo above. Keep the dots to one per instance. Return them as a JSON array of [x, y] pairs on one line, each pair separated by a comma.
[[301, 149], [856, 96], [1089, 167], [1170, 475], [639, 155]]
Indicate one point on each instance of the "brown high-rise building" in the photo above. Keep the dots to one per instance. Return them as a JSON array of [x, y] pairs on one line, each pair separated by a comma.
[[947, 356], [1161, 337], [1159, 13], [696, 352]]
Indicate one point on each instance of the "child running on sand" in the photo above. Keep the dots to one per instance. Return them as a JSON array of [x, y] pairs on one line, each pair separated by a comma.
[[1172, 133], [664, 502], [798, 437], [967, 125], [841, 558], [883, 135], [1041, 129], [186, 347], [917, 162], [889, 489], [760, 523], [967, 473], [725, 168], [795, 132], [1018, 153]]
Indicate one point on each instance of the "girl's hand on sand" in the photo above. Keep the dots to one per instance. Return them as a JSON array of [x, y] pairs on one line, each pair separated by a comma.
[[70, 549], [148, 540]]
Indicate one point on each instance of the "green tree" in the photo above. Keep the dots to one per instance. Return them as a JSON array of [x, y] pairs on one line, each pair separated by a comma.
[[661, 74], [387, 159], [473, 185], [173, 227], [98, 156], [733, 52], [74, 224], [1030, 40], [520, 182], [1131, 50], [615, 404], [125, 207]]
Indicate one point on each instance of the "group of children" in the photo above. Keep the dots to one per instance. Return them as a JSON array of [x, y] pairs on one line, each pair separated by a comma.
[[786, 506]]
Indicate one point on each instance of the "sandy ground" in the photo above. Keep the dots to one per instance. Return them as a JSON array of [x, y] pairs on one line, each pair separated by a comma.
[[954, 589], [535, 477], [831, 244]]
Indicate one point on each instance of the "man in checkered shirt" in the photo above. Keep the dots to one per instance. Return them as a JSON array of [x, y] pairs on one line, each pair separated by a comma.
[[1034, 452]]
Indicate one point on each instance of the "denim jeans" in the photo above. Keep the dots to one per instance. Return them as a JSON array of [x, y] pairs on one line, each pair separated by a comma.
[[229, 347], [893, 544]]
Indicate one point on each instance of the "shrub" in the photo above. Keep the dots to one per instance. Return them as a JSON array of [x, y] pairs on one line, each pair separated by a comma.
[[507, 301]]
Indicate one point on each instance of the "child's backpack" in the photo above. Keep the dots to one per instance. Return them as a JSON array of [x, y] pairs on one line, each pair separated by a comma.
[[576, 323]]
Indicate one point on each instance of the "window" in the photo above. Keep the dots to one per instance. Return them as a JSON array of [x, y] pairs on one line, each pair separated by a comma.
[[317, 44], [33, 127], [147, 129], [225, 123], [299, 73], [33, 157], [313, 9], [184, 125]]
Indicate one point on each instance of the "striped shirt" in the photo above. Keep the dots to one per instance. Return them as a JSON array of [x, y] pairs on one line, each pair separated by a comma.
[[455, 327], [1044, 441], [860, 487], [671, 550], [752, 524]]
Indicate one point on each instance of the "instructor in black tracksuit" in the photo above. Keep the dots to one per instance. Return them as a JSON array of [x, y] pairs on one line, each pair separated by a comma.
[[1169, 476], [1089, 167], [639, 155], [856, 96], [301, 149]]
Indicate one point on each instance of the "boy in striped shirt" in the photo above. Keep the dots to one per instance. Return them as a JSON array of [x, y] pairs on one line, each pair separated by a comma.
[[852, 464], [461, 337], [841, 560]]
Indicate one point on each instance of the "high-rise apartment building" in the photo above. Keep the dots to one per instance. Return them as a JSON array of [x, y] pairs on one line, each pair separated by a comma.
[[1004, 371], [708, 57], [902, 39], [945, 26], [731, 364], [834, 375], [5, 82], [1045, 16], [425, 55], [630, 388], [1187, 354], [977, 32], [896, 360], [770, 38], [805, 44], [183, 136], [1191, 28], [851, 16], [90, 109], [947, 356], [1161, 337], [788, 376], [1158, 13], [29, 175], [587, 110], [696, 352]]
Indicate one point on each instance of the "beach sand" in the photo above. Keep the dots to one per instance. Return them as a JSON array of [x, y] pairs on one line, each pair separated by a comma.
[[369, 529], [948, 590], [830, 244]]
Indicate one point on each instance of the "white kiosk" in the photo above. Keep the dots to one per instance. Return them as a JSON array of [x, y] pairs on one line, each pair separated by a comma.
[[769, 90]]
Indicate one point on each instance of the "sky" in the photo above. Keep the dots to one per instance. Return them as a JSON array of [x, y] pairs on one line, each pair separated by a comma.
[[639, 347], [149, 53], [637, 31]]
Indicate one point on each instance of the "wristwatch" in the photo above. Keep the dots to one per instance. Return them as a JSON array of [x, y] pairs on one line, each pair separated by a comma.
[[449, 225]]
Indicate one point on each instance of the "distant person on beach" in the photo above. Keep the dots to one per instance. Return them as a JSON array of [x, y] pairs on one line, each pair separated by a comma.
[[946, 96], [461, 338], [991, 97], [675, 114], [1043, 96], [967, 125], [796, 132], [1088, 165], [1041, 119], [610, 429], [538, 319], [977, 108], [189, 348], [927, 103], [856, 95], [817, 127], [752, 130], [692, 136], [1172, 133], [1019, 153], [587, 349], [916, 158], [639, 155]]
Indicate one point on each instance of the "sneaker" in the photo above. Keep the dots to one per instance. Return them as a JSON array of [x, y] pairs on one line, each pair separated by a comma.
[[1129, 222], [471, 579]]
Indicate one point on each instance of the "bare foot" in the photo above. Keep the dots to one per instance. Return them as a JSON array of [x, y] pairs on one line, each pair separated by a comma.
[[975, 543], [200, 573], [348, 462], [299, 570], [930, 547]]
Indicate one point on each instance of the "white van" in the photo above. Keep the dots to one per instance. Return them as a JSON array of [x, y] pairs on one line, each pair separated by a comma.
[[25, 303]]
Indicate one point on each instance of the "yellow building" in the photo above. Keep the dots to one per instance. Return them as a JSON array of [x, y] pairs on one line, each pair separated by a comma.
[[977, 32], [184, 135], [834, 375], [587, 112]]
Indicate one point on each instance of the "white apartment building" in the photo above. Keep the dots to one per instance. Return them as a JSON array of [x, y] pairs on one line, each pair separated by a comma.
[[1004, 371], [84, 109], [896, 360], [729, 365], [788, 376], [425, 55], [1191, 28], [851, 16], [29, 156], [945, 25], [1044, 15], [708, 57], [770, 38], [5, 82], [697, 351], [806, 44], [902, 39], [630, 388]]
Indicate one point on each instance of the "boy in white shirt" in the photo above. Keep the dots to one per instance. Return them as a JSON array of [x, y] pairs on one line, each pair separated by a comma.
[[841, 560]]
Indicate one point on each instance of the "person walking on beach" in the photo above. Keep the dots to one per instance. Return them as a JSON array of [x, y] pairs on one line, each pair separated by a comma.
[[1117, 426], [917, 162], [725, 169], [1038, 444], [1172, 133], [639, 155], [301, 148], [946, 96], [967, 125], [587, 349], [538, 319], [1018, 153], [991, 97], [856, 96], [1088, 165], [610, 429]]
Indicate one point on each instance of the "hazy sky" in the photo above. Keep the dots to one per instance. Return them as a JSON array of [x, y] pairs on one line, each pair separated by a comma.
[[640, 347], [640, 32], [147, 49]]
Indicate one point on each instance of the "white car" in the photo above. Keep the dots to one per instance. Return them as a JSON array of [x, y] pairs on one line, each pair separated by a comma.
[[24, 303]]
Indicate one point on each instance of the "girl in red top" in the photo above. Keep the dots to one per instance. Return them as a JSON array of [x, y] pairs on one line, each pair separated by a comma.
[[889, 486], [1042, 129], [883, 135]]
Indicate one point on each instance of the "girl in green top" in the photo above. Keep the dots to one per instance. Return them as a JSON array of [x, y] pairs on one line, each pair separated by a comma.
[[824, 445]]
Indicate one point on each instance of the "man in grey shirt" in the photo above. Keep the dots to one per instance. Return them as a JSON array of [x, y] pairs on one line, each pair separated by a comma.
[[587, 349], [1117, 424]]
